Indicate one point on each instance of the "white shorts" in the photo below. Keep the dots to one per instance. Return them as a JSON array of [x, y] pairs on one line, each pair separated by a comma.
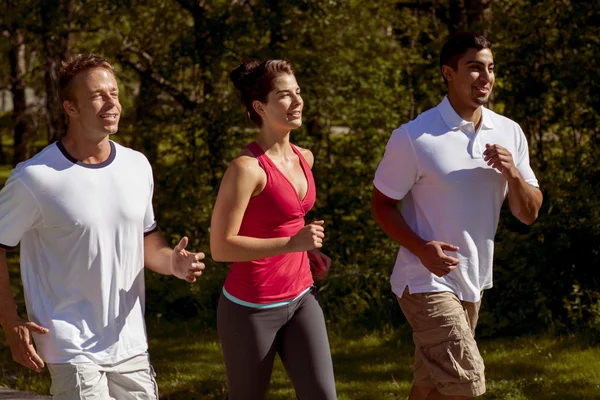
[[133, 378]]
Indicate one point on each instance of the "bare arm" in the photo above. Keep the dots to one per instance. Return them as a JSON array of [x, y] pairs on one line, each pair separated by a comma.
[[18, 331], [431, 253], [242, 180], [160, 258], [524, 200]]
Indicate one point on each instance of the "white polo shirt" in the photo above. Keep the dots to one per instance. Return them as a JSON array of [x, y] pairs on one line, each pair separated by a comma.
[[81, 229], [434, 165]]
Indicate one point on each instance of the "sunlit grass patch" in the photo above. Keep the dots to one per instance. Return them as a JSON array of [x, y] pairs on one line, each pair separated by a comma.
[[368, 366]]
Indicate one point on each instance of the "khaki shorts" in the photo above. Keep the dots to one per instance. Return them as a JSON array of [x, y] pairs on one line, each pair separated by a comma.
[[446, 355], [129, 379]]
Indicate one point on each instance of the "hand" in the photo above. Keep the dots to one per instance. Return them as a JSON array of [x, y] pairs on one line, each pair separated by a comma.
[[18, 335], [184, 264], [501, 159], [319, 264], [308, 238], [434, 258]]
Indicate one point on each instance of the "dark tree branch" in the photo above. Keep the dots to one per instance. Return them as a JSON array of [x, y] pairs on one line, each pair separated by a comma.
[[147, 71]]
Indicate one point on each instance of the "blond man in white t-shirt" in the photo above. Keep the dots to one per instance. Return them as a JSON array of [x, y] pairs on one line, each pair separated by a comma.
[[452, 168], [82, 212]]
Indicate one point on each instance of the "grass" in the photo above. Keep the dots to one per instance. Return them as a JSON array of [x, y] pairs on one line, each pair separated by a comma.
[[368, 366]]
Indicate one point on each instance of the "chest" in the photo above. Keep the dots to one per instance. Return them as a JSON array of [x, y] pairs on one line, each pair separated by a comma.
[[293, 175], [454, 160], [86, 199]]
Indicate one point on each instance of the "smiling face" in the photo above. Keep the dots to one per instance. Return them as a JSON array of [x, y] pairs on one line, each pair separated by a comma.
[[283, 108], [94, 103], [473, 80]]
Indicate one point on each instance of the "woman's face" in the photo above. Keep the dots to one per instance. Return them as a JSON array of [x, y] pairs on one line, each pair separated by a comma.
[[283, 109]]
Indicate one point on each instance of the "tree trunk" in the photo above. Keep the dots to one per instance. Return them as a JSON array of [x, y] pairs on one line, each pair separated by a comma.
[[55, 15], [144, 113], [470, 15], [19, 114]]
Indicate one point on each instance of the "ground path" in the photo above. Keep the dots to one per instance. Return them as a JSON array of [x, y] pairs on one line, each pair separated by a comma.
[[9, 394]]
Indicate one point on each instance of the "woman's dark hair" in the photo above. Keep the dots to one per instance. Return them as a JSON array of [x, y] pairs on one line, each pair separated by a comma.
[[458, 44], [254, 80]]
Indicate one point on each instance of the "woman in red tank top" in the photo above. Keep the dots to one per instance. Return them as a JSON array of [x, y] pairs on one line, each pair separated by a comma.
[[268, 304]]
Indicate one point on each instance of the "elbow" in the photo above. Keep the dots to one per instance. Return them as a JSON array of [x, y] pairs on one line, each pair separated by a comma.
[[217, 250], [530, 218], [216, 253]]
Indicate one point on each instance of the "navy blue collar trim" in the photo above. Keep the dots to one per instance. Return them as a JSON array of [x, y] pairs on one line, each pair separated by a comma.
[[108, 161]]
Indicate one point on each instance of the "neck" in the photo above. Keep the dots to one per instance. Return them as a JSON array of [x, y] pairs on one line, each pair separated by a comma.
[[86, 150], [465, 111], [273, 142]]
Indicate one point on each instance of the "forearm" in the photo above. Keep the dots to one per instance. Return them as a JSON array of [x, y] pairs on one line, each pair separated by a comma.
[[8, 307], [524, 200], [243, 248], [391, 221], [157, 254]]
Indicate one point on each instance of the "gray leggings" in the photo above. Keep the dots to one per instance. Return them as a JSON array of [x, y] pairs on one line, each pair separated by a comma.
[[250, 337]]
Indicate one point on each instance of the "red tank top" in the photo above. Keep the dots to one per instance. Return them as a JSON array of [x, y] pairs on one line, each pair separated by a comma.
[[277, 211]]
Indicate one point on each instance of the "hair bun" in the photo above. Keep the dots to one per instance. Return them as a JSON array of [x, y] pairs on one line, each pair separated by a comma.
[[239, 75]]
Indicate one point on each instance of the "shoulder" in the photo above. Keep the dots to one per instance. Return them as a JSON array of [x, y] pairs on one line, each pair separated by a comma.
[[245, 165], [307, 154], [500, 121], [430, 120], [43, 162], [130, 153], [132, 157]]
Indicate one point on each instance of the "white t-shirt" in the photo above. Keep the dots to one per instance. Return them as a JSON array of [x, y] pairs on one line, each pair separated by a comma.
[[81, 228], [434, 165]]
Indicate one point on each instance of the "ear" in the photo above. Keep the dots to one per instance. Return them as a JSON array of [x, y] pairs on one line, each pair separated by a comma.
[[447, 72], [70, 108], [259, 108]]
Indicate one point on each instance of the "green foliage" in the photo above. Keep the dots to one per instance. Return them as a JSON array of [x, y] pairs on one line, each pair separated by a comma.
[[364, 68]]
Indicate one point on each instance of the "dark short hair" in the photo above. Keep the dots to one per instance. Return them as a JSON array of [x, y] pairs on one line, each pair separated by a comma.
[[254, 80], [76, 64], [458, 44]]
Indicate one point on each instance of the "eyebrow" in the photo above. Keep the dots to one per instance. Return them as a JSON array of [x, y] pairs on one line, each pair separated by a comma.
[[286, 90], [95, 91], [478, 62]]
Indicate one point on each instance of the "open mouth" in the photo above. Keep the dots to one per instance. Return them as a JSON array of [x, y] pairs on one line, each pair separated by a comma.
[[295, 114], [109, 116]]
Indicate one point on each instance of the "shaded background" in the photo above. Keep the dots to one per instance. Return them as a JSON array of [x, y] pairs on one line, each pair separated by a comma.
[[365, 67]]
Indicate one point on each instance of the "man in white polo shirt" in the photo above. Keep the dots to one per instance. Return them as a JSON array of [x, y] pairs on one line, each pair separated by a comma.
[[82, 211], [452, 167]]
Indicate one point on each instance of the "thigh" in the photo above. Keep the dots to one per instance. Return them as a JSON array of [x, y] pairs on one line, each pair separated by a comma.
[[445, 342], [133, 379], [247, 338], [78, 382], [304, 349], [411, 307]]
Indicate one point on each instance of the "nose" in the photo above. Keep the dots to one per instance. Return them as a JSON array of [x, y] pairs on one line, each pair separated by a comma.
[[112, 100], [487, 75], [298, 99]]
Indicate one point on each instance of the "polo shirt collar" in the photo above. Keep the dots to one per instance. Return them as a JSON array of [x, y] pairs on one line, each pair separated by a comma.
[[455, 121]]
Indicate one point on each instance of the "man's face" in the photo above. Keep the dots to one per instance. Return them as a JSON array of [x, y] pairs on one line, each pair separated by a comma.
[[472, 81], [95, 103]]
